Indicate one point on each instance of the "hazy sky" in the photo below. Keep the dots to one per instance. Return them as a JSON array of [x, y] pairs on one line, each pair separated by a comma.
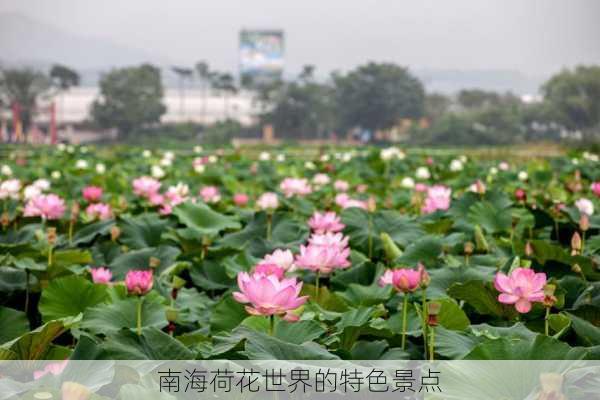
[[532, 36]]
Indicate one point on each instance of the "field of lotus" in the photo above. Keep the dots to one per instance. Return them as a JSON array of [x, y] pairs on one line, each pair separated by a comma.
[[358, 254]]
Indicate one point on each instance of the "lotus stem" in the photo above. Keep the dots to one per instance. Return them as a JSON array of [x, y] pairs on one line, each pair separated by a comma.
[[547, 322], [139, 315], [50, 256], [269, 222], [432, 345], [404, 320], [271, 325], [424, 312], [71, 231], [26, 290], [370, 236], [317, 286]]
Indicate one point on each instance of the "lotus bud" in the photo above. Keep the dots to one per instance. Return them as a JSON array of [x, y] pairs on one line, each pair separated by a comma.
[[115, 232], [584, 222], [372, 204], [5, 219], [549, 298], [389, 247], [425, 278], [74, 391], [75, 211], [576, 244], [528, 249], [154, 262], [576, 268], [520, 195], [480, 241], [51, 236], [433, 309], [469, 248]]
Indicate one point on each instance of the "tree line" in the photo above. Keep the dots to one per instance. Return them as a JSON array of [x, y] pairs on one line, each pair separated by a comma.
[[369, 101]]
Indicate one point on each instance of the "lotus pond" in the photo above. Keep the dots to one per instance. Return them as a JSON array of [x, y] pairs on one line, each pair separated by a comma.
[[358, 254]]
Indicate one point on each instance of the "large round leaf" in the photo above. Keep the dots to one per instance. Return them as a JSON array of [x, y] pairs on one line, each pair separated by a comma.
[[70, 296]]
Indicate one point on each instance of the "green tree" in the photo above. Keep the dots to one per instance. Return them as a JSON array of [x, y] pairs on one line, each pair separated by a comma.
[[574, 96], [64, 77], [303, 111], [477, 98], [130, 98], [436, 105], [377, 96], [203, 72], [23, 86], [226, 85]]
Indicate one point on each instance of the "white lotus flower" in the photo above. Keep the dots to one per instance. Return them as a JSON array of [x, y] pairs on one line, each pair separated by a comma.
[[408, 182], [423, 173], [585, 206], [157, 172], [6, 170], [456, 165], [523, 175], [81, 164]]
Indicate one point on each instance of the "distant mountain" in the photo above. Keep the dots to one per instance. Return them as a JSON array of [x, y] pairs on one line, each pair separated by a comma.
[[24, 40]]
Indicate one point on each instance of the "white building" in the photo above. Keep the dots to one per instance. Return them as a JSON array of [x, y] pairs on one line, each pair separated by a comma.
[[191, 106]]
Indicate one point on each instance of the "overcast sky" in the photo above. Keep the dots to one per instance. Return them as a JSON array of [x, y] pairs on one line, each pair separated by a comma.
[[532, 36]]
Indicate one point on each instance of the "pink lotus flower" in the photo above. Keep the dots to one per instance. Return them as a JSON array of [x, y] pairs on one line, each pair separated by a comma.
[[295, 187], [268, 201], [177, 194], [269, 295], [156, 199], [101, 275], [438, 198], [478, 187], [99, 211], [325, 222], [269, 269], [522, 287], [240, 199], [405, 279], [146, 186], [329, 239], [595, 187], [46, 206], [92, 194], [54, 368], [341, 186], [362, 188], [344, 201], [321, 179], [323, 259], [165, 209], [520, 194], [282, 258], [421, 188], [139, 282], [210, 194]]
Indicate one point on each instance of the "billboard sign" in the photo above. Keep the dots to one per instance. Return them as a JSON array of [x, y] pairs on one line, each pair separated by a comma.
[[261, 55]]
